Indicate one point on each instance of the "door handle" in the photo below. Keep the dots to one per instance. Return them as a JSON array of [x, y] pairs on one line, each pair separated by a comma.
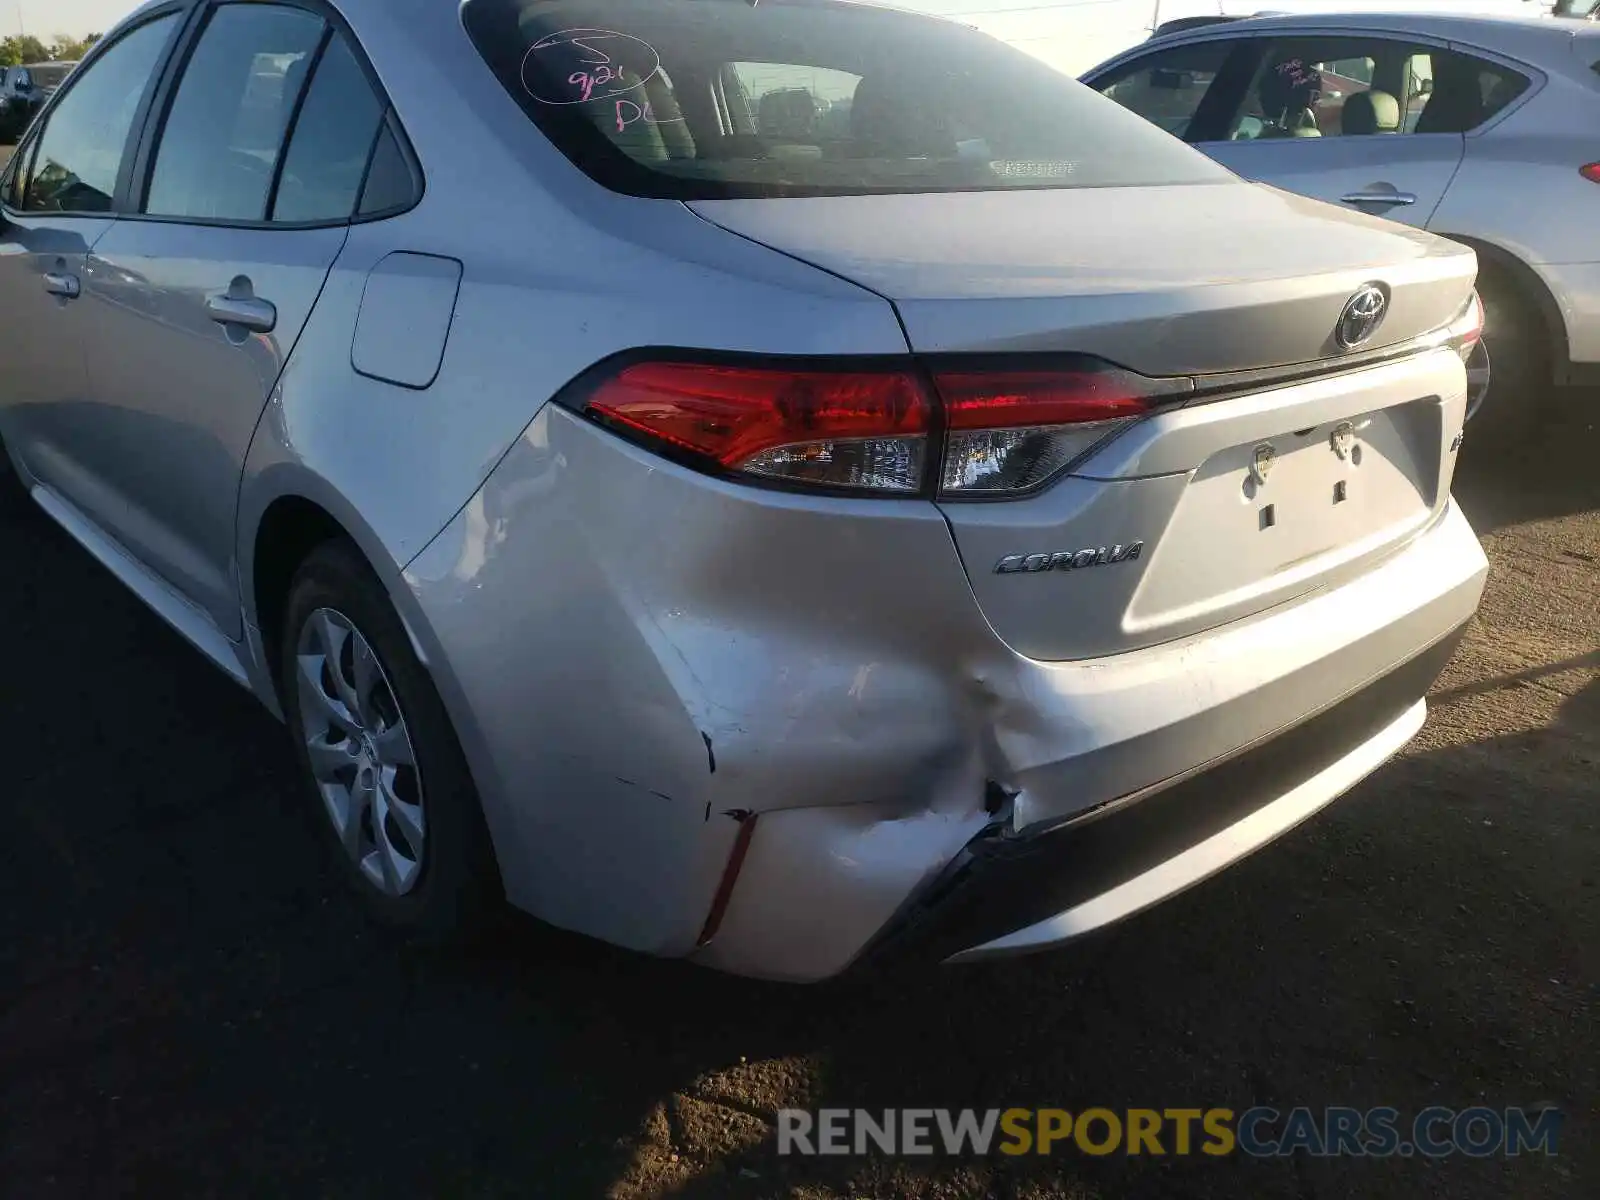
[[65, 286], [258, 316], [1379, 196]]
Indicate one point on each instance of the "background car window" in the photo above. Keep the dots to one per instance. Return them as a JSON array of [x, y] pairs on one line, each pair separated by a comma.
[[332, 141], [80, 150], [1167, 88], [1302, 86], [1362, 86], [1464, 92], [225, 129]]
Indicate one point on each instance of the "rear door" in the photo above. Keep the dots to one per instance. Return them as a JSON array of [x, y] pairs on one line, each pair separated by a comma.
[[201, 294], [1338, 117], [58, 203]]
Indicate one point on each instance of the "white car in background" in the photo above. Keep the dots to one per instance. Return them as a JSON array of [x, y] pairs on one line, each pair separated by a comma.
[[1480, 128]]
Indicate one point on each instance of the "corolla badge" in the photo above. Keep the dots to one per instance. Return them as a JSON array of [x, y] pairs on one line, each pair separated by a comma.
[[1069, 560], [1361, 316]]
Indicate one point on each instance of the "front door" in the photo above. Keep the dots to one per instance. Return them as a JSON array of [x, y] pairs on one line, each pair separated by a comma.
[[58, 202], [203, 293]]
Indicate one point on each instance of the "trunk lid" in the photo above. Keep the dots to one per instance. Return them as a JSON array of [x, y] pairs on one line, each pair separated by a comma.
[[1179, 280], [1215, 510]]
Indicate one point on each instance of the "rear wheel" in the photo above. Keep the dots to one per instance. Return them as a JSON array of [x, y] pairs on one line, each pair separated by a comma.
[[388, 779], [1517, 343]]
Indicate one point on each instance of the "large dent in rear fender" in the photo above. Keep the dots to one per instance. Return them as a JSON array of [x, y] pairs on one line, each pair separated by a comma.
[[648, 656]]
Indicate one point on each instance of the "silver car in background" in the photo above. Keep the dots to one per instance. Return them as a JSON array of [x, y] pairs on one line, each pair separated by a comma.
[[771, 485], [1480, 128]]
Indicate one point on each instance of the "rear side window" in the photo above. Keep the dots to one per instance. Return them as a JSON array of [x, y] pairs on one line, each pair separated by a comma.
[[390, 183], [332, 142], [219, 148], [709, 98], [1367, 84], [1465, 92]]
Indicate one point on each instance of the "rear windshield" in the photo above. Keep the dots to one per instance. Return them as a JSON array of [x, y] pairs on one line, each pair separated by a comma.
[[701, 99]]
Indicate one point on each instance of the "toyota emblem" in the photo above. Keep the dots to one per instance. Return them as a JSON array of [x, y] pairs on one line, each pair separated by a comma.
[[1362, 315]]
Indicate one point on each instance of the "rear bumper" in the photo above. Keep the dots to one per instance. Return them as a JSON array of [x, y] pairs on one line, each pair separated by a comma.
[[1023, 894], [763, 731], [1133, 778]]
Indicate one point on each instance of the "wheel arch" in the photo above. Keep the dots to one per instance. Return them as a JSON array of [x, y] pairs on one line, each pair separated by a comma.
[[286, 515], [1533, 289], [291, 528]]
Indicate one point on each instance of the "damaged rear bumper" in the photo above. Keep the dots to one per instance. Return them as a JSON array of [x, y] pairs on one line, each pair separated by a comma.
[[1020, 894], [1266, 723], [731, 733]]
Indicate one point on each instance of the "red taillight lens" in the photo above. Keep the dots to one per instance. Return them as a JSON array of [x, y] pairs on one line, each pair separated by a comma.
[[1467, 330], [853, 429], [1008, 399], [1590, 171], [1011, 431], [1006, 431]]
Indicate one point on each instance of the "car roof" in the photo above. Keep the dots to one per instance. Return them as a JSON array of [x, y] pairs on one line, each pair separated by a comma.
[[1533, 37]]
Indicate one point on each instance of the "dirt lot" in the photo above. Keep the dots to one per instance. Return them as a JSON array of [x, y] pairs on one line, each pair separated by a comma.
[[187, 1007]]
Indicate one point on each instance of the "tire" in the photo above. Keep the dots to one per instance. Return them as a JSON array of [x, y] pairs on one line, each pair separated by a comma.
[[447, 887], [1519, 350]]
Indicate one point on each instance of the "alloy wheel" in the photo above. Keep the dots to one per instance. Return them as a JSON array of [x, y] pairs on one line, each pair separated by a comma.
[[361, 754]]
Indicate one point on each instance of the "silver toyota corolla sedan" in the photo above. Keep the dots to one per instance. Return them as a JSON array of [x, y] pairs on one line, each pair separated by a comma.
[[771, 484]]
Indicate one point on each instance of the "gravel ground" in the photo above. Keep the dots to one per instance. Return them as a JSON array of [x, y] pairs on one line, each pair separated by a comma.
[[187, 1006]]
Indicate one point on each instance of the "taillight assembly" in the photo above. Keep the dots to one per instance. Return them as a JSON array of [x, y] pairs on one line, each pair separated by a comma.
[[889, 430], [848, 429], [1466, 331], [1011, 431]]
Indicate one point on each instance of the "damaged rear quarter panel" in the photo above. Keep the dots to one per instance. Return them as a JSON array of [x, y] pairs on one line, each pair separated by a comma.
[[613, 643]]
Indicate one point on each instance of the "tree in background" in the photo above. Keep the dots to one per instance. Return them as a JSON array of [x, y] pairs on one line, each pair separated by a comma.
[[69, 49], [14, 51]]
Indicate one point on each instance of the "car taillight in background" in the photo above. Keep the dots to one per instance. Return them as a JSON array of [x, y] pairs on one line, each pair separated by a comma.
[[999, 432], [1466, 331]]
